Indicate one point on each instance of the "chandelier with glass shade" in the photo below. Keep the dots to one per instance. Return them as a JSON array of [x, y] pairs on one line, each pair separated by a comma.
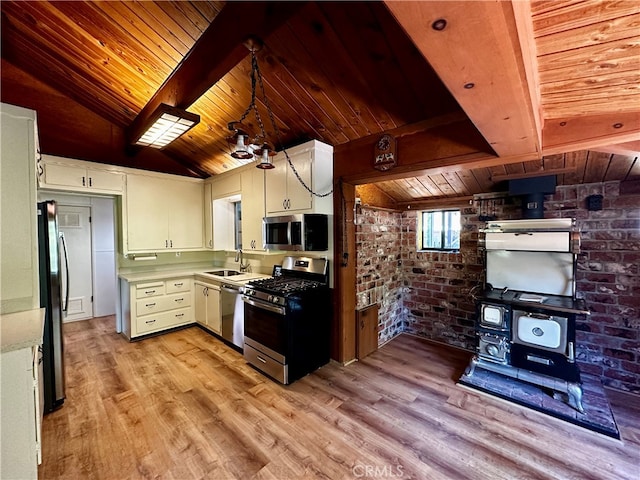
[[244, 144]]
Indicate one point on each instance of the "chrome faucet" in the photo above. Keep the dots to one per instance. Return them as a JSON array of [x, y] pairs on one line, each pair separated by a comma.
[[244, 267]]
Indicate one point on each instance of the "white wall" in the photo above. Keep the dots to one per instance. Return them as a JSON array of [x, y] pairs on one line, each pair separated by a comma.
[[104, 254]]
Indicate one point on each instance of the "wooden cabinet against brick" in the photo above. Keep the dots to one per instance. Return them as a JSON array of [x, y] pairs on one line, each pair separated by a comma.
[[366, 331]]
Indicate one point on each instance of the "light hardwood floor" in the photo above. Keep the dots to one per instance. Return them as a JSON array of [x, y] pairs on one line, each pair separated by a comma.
[[185, 406]]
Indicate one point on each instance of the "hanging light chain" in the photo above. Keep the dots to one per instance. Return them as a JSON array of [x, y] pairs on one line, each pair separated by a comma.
[[252, 105], [256, 69]]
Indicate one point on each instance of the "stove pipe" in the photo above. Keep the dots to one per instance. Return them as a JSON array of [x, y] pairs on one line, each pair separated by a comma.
[[532, 192]]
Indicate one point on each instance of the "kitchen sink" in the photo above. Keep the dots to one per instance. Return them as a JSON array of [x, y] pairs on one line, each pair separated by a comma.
[[224, 273]]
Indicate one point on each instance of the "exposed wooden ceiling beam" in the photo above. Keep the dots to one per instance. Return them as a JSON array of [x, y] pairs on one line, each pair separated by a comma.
[[215, 53], [443, 145], [629, 148], [541, 172], [479, 56], [442, 202], [589, 132]]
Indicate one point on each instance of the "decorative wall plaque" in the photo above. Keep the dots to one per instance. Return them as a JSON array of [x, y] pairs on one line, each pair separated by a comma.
[[385, 153]]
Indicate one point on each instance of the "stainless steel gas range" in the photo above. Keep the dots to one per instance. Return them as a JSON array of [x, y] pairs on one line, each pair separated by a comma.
[[287, 319], [526, 315]]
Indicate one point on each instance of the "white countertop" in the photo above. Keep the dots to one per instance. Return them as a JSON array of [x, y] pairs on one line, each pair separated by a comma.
[[240, 279], [21, 329]]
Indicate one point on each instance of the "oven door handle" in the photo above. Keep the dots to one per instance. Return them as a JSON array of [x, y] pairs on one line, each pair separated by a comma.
[[264, 306]]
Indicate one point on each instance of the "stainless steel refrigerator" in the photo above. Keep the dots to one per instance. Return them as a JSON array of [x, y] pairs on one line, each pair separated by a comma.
[[53, 257]]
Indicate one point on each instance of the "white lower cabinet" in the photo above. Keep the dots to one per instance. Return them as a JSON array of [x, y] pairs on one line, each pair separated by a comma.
[[208, 306], [150, 307], [20, 426]]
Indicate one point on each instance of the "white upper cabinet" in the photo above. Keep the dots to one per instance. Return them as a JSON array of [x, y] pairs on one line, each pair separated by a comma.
[[253, 208], [59, 173], [284, 193], [208, 217], [163, 214], [19, 288], [184, 205], [225, 184], [244, 185]]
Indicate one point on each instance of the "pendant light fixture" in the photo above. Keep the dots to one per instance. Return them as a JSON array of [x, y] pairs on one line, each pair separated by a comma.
[[244, 144]]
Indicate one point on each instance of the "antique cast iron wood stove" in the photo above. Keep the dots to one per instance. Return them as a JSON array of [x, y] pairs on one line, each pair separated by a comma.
[[526, 314]]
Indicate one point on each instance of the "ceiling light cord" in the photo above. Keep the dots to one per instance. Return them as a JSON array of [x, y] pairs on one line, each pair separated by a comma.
[[255, 71]]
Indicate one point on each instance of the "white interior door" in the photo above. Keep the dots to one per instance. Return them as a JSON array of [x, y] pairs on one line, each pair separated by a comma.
[[74, 224]]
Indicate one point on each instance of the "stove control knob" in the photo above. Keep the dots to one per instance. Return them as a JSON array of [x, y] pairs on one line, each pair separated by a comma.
[[493, 350], [272, 299]]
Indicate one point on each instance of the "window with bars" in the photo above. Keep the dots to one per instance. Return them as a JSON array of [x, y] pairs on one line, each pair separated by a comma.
[[439, 230]]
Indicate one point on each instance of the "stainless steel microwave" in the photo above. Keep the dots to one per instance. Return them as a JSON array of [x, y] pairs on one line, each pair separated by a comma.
[[305, 232]]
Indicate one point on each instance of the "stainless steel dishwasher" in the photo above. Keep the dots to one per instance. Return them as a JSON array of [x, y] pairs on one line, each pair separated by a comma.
[[232, 308]]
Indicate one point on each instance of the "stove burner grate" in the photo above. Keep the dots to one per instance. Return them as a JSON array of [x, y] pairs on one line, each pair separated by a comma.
[[285, 285]]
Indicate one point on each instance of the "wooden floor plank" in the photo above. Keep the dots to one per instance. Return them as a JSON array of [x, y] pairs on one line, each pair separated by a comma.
[[185, 406]]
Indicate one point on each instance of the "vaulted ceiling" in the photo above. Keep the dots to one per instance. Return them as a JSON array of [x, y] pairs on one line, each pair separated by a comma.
[[548, 86]]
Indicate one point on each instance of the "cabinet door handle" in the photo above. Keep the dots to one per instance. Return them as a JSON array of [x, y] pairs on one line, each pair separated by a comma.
[[179, 300], [166, 244], [149, 292], [149, 305], [284, 203], [84, 184], [211, 243], [178, 284], [179, 315], [150, 321], [90, 182], [171, 243]]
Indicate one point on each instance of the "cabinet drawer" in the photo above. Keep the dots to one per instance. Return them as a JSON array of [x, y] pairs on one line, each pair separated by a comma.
[[178, 285], [266, 364], [149, 289], [147, 306], [163, 320]]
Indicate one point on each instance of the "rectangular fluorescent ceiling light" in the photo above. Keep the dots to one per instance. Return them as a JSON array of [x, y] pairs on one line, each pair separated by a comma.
[[167, 124]]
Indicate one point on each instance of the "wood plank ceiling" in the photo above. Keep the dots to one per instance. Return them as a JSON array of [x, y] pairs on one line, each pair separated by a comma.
[[567, 80]]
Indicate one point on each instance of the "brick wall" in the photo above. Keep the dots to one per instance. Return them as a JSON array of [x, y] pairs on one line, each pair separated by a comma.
[[427, 293], [437, 302], [378, 268], [608, 278]]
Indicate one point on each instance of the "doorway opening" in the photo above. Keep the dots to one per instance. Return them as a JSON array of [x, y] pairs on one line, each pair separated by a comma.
[[88, 226]]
